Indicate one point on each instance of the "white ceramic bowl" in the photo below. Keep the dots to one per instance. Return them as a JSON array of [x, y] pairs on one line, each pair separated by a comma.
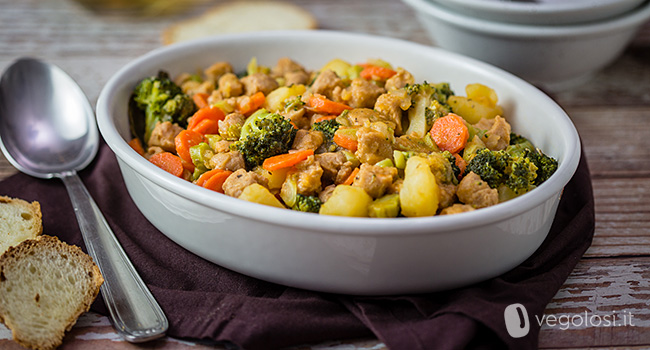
[[553, 57], [338, 254], [544, 12]]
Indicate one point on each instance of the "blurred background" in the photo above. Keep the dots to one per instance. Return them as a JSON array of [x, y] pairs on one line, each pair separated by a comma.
[[85, 34]]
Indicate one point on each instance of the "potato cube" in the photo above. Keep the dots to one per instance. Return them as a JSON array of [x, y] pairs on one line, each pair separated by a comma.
[[257, 193], [419, 195], [347, 201]]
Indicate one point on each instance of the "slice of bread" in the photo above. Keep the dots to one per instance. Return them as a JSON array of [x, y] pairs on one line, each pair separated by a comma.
[[45, 285], [241, 16], [19, 220]]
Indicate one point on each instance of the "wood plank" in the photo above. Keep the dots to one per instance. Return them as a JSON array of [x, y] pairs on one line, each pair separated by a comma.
[[625, 347], [622, 217], [617, 290], [615, 139], [124, 35], [87, 36], [94, 331], [611, 246], [614, 142]]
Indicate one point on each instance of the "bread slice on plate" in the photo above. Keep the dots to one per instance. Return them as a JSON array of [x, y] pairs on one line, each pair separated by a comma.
[[241, 16], [45, 285], [19, 220]]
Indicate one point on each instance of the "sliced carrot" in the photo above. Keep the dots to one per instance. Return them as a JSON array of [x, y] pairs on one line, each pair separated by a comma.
[[168, 162], [321, 104], [215, 183], [249, 105], [137, 145], [213, 179], [205, 176], [450, 133], [325, 117], [345, 139], [350, 179], [201, 99], [460, 163], [184, 141], [206, 120], [371, 72], [286, 160], [206, 126]]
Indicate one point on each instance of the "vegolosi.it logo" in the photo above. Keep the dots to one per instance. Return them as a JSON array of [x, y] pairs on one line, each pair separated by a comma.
[[517, 321]]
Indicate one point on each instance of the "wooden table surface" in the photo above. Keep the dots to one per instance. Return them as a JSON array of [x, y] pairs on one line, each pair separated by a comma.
[[611, 113]]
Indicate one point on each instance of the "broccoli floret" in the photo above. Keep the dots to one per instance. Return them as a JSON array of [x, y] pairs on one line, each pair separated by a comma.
[[442, 93], [310, 204], [264, 135], [522, 147], [328, 128], [517, 139], [490, 166], [430, 116], [428, 102], [161, 100], [520, 171], [435, 111], [439, 92], [546, 165], [522, 174]]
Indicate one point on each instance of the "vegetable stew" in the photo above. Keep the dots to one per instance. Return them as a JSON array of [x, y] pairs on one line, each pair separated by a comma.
[[351, 139]]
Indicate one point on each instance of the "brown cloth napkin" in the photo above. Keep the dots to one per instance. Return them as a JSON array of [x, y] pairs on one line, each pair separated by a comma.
[[205, 301]]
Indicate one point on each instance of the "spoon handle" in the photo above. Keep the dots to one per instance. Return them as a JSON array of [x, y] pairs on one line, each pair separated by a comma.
[[135, 313]]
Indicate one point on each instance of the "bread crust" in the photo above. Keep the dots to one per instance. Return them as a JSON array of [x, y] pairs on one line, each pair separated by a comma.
[[59, 256]]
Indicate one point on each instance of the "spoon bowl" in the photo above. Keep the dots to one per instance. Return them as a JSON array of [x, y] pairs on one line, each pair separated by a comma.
[[54, 131], [48, 129]]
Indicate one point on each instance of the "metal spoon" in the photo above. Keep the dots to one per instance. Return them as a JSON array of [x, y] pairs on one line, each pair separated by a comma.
[[48, 129]]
